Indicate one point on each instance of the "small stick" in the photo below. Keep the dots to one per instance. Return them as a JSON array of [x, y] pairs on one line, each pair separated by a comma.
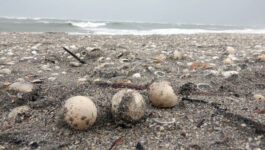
[[116, 142], [77, 58], [122, 85], [139, 146], [194, 100], [200, 123], [261, 111]]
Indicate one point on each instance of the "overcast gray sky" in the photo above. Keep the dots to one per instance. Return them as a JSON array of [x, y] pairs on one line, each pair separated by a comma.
[[233, 12]]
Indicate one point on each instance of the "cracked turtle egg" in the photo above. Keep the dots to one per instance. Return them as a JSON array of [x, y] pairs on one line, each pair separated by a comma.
[[79, 112], [128, 105], [161, 94]]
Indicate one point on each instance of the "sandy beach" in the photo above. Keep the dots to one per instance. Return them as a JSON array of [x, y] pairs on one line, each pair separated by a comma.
[[226, 69]]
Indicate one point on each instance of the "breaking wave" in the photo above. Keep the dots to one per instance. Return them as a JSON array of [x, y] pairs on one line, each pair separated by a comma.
[[74, 26], [87, 24]]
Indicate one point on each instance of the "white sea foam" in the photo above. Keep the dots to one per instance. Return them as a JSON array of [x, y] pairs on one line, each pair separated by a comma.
[[21, 18], [87, 24]]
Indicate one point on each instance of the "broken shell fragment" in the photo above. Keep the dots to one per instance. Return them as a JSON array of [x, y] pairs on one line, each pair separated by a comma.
[[177, 55], [259, 97], [230, 50], [80, 112], [24, 87], [228, 61], [261, 57], [19, 111]]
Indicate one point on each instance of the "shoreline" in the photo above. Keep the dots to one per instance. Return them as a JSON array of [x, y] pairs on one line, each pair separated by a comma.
[[230, 77], [239, 32]]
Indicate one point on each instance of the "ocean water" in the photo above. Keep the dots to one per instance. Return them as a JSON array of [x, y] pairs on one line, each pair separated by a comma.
[[23, 24]]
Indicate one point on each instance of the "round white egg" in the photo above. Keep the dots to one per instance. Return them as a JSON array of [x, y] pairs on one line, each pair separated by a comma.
[[161, 94], [80, 112], [128, 105]]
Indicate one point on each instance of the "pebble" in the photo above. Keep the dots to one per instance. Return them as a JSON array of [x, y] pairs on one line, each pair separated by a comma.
[[215, 57], [82, 79], [232, 57], [5, 71], [259, 97], [258, 46], [186, 70], [37, 81], [36, 46], [10, 53], [73, 47], [69, 57], [230, 50], [24, 87], [57, 67], [26, 58], [75, 64], [51, 78], [213, 72], [11, 63], [34, 52], [228, 61], [151, 69], [177, 55], [136, 75], [46, 67], [228, 74], [159, 59], [124, 60], [201, 65], [153, 46], [55, 74], [100, 59], [18, 110], [243, 125], [78, 54]]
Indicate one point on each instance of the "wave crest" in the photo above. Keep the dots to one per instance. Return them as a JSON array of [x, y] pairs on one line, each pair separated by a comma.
[[87, 24]]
